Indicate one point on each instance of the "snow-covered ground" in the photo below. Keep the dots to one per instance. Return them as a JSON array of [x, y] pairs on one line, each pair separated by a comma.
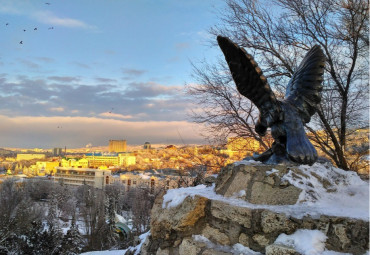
[[343, 194], [113, 252]]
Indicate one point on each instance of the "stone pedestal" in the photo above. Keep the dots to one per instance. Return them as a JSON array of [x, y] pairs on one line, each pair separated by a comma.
[[258, 184], [180, 230]]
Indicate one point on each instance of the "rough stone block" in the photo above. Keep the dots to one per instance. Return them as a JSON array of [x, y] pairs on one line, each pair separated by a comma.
[[276, 222], [214, 252], [215, 235], [189, 247], [181, 219], [163, 252], [261, 183], [275, 249], [261, 240], [264, 193], [227, 212], [244, 240]]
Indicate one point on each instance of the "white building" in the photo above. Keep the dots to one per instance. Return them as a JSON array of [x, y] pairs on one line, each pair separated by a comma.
[[97, 178]]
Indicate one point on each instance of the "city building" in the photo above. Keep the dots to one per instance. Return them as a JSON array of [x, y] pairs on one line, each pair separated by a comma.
[[162, 179], [100, 159], [29, 156], [117, 145], [79, 163], [126, 159], [147, 146], [46, 168], [57, 151], [97, 178]]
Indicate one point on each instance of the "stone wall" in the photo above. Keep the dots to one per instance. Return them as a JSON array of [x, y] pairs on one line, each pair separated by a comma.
[[183, 229]]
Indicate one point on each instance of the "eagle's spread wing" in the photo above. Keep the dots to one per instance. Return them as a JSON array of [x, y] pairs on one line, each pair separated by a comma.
[[303, 90], [250, 82]]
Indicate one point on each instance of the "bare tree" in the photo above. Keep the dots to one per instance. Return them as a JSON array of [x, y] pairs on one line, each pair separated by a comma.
[[18, 212], [278, 37], [221, 108]]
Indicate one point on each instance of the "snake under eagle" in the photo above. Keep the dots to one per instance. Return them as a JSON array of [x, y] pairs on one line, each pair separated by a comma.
[[285, 117]]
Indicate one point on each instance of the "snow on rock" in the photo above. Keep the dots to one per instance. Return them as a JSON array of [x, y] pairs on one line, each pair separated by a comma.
[[137, 248], [235, 249], [247, 162], [112, 252], [241, 249], [307, 242], [175, 197], [273, 170], [326, 190], [332, 190]]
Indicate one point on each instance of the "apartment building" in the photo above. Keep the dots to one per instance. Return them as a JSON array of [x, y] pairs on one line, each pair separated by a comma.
[[99, 159], [117, 145], [163, 178], [97, 178], [29, 156]]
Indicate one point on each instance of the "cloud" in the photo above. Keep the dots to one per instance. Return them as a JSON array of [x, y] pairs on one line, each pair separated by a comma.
[[29, 64], [57, 109], [150, 90], [143, 101], [8, 8], [45, 59], [81, 65], [115, 115], [78, 131], [48, 17], [64, 78], [105, 80], [133, 72]]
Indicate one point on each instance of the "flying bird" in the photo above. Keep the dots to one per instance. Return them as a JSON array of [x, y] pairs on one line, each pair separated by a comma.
[[286, 117], [21, 42], [47, 3], [7, 24], [24, 30], [35, 28], [51, 28]]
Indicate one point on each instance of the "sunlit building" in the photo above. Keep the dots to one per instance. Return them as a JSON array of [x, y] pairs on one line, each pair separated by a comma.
[[147, 146], [29, 156], [162, 179], [46, 168], [126, 159], [97, 178], [57, 151], [117, 145], [100, 159], [79, 163]]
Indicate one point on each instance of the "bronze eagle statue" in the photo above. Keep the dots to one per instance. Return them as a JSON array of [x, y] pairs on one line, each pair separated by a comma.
[[285, 117]]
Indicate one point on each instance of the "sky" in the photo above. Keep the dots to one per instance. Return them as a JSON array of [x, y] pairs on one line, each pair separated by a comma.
[[82, 72]]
